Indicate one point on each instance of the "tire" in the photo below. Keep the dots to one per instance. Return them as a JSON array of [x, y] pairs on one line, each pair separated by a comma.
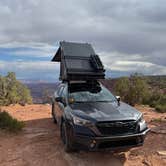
[[53, 114], [66, 139]]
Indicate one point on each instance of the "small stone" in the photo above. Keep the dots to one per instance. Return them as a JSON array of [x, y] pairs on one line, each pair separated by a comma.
[[145, 162], [163, 153]]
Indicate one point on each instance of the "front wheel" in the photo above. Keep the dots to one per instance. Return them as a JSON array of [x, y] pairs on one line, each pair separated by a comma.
[[66, 138], [53, 113]]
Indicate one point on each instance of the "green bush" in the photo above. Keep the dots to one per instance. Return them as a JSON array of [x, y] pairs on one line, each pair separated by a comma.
[[157, 99], [7, 122], [133, 89], [139, 89], [12, 91], [160, 108]]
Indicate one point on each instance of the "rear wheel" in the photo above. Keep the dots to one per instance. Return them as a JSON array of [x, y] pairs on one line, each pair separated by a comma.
[[66, 139], [53, 113]]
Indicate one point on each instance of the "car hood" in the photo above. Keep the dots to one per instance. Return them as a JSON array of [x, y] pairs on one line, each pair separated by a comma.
[[105, 111]]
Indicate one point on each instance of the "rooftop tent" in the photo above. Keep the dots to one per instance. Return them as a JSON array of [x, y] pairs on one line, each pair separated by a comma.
[[78, 62]]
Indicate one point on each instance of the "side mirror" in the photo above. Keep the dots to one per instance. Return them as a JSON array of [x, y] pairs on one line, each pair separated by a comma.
[[61, 100], [118, 99], [58, 99]]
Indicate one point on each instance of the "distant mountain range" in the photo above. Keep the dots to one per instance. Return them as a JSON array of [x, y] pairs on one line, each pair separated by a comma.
[[34, 81], [39, 87]]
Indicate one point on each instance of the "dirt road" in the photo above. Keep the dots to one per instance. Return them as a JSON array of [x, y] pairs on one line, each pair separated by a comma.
[[39, 143]]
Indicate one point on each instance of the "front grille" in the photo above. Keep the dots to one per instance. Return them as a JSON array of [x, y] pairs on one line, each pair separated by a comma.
[[117, 128]]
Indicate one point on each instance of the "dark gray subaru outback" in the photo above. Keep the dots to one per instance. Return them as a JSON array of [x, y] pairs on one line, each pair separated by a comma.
[[91, 118]]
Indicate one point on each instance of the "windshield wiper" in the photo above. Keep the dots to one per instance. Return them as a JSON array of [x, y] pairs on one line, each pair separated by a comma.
[[108, 101]]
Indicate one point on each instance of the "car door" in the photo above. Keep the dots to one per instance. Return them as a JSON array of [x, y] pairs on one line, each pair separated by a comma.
[[61, 105], [56, 104]]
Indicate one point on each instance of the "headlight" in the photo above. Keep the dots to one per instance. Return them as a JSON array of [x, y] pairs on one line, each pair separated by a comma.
[[141, 119], [81, 122], [142, 123]]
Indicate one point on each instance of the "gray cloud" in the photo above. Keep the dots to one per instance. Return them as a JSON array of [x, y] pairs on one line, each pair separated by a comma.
[[31, 70], [130, 30]]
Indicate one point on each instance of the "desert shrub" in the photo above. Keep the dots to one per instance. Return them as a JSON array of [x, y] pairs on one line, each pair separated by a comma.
[[46, 96], [12, 91], [122, 88], [157, 99], [133, 89], [24, 94], [153, 98], [157, 120], [7, 122], [160, 108]]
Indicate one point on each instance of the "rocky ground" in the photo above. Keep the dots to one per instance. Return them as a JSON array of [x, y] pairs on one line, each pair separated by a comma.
[[39, 143]]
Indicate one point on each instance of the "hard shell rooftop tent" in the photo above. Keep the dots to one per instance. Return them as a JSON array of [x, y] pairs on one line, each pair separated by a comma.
[[78, 62]]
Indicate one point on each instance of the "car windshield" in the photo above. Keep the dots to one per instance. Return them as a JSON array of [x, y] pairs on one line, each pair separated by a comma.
[[104, 95]]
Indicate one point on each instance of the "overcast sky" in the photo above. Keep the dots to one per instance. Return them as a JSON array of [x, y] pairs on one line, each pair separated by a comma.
[[129, 35]]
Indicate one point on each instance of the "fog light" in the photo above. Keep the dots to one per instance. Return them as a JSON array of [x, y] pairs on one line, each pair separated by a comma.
[[92, 144]]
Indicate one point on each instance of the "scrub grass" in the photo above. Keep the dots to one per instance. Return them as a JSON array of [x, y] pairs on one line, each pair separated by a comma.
[[161, 108], [158, 120], [8, 123]]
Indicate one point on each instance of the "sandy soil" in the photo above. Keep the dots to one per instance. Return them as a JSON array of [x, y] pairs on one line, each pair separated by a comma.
[[39, 143]]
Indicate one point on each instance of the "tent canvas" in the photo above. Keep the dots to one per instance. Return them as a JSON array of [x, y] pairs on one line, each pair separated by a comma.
[[78, 62]]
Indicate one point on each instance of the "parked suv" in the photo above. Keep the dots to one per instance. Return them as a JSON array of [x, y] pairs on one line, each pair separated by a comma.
[[91, 118]]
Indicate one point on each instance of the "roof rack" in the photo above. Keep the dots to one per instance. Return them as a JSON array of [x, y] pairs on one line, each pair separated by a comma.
[[78, 61]]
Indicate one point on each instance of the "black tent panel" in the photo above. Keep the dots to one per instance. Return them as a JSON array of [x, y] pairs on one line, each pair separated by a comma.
[[76, 49], [78, 62]]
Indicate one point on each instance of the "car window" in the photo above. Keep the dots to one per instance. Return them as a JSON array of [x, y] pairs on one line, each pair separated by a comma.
[[86, 96]]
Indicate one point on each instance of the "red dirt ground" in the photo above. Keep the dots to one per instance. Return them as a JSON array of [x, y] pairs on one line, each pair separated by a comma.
[[39, 143]]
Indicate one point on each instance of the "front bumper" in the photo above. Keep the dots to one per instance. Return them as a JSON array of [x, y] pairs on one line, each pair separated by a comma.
[[110, 142]]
